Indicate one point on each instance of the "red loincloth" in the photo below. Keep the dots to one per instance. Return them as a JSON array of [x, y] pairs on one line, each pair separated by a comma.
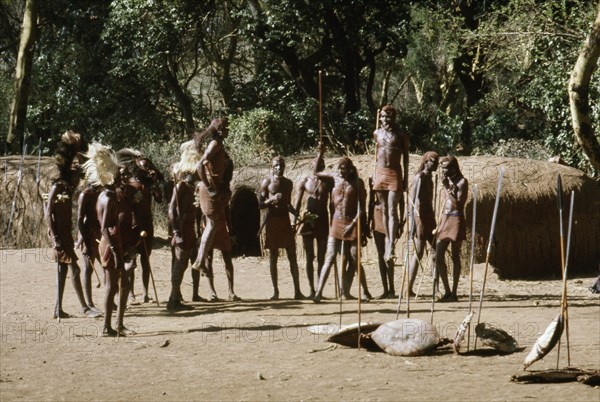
[[387, 179], [453, 228], [278, 232], [338, 226]]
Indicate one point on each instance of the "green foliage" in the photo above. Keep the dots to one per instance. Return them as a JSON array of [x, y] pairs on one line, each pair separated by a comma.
[[127, 72], [520, 148], [252, 135]]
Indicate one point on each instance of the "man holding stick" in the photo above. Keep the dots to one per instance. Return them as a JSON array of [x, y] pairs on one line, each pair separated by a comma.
[[276, 196], [143, 179], [453, 226], [388, 181], [58, 214], [347, 192], [424, 217], [315, 222]]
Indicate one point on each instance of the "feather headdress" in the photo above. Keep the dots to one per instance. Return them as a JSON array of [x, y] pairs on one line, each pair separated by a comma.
[[69, 145], [128, 156], [189, 160], [102, 166]]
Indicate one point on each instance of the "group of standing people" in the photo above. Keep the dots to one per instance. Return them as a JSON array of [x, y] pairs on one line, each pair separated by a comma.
[[115, 217], [335, 209]]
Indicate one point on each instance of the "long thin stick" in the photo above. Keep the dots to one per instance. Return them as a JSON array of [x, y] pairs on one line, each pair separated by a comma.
[[434, 275], [96, 272], [320, 108], [489, 249], [559, 201], [58, 286], [410, 235], [358, 252], [144, 234], [37, 186], [471, 263], [564, 299]]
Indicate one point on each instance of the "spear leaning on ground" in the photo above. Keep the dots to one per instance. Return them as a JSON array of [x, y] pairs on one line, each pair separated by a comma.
[[358, 249], [409, 238], [489, 249], [471, 263], [144, 234], [434, 274], [551, 336], [564, 307], [37, 186], [425, 244]]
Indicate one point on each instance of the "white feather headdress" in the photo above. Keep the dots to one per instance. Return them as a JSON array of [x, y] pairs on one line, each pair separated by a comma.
[[101, 167], [189, 159]]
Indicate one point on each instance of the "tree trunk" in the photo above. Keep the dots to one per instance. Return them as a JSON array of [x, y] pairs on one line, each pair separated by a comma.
[[185, 102], [18, 110], [579, 88]]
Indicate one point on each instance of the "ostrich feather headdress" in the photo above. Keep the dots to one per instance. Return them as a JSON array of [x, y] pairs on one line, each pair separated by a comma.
[[189, 159], [102, 166], [69, 145]]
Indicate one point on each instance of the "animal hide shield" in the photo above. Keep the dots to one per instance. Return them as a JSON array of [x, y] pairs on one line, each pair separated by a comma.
[[406, 337], [546, 342]]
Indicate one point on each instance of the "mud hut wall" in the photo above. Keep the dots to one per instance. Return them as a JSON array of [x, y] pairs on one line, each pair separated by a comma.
[[28, 228], [526, 242]]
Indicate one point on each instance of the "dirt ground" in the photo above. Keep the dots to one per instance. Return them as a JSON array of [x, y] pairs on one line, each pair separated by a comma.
[[261, 350]]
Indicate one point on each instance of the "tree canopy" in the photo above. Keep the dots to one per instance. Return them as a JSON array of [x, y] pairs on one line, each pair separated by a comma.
[[467, 77]]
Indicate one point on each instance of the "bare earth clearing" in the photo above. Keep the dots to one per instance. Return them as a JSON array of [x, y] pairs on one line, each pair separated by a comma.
[[261, 350]]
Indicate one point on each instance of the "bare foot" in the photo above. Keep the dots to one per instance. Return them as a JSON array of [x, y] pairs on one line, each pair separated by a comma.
[[176, 305], [91, 313], [447, 298], [275, 296], [109, 332], [197, 298], [384, 295], [61, 314], [299, 296], [124, 331], [234, 297]]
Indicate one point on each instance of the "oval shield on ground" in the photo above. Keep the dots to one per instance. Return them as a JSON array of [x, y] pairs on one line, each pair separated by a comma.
[[348, 335], [496, 338], [406, 337]]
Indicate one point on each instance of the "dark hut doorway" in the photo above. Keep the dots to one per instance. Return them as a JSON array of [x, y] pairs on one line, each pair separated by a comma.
[[245, 222]]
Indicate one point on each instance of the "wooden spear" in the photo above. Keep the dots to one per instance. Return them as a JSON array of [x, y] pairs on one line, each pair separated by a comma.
[[434, 274], [471, 263], [37, 186], [358, 250], [320, 108], [564, 307], [489, 249], [410, 234]]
